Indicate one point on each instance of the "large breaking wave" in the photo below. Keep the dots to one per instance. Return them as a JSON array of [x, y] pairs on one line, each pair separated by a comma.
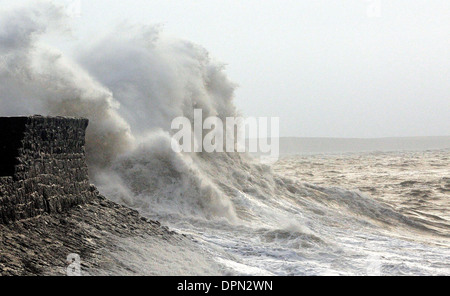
[[131, 84]]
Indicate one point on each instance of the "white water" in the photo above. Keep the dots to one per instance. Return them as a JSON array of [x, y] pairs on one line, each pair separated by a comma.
[[243, 215]]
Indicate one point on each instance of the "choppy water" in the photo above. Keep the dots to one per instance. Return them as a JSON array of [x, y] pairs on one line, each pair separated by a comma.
[[416, 183], [299, 220], [350, 214]]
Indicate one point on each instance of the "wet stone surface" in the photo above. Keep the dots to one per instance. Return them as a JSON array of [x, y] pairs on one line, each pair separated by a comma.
[[41, 245]]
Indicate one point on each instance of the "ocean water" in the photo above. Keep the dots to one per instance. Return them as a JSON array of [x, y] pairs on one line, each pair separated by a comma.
[[367, 213], [296, 218]]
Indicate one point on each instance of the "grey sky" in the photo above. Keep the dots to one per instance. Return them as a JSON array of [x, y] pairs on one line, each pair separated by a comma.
[[326, 68]]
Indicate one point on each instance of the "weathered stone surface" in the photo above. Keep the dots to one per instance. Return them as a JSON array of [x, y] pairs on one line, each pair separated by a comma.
[[42, 166], [48, 209], [94, 230]]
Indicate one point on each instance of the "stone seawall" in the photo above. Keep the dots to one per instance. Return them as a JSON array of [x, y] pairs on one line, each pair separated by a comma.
[[42, 166]]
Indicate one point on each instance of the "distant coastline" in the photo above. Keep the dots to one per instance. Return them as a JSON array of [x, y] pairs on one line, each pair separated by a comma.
[[310, 145], [292, 145]]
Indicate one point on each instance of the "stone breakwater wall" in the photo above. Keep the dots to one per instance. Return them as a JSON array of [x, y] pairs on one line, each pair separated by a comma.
[[42, 166]]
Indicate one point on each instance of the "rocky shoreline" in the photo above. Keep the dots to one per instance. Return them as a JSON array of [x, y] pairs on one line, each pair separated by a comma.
[[53, 222], [42, 244]]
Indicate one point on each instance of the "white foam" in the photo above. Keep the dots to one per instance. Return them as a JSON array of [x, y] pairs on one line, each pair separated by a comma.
[[131, 84]]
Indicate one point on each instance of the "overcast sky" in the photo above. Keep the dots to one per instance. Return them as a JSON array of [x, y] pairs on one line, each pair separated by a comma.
[[327, 68]]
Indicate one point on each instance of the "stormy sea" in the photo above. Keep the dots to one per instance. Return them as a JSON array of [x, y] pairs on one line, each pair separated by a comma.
[[337, 212]]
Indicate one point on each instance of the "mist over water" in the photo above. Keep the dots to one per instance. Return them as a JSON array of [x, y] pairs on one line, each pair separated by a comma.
[[249, 219]]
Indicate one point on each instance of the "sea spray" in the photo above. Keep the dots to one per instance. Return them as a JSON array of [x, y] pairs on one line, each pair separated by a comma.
[[131, 84], [142, 81]]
